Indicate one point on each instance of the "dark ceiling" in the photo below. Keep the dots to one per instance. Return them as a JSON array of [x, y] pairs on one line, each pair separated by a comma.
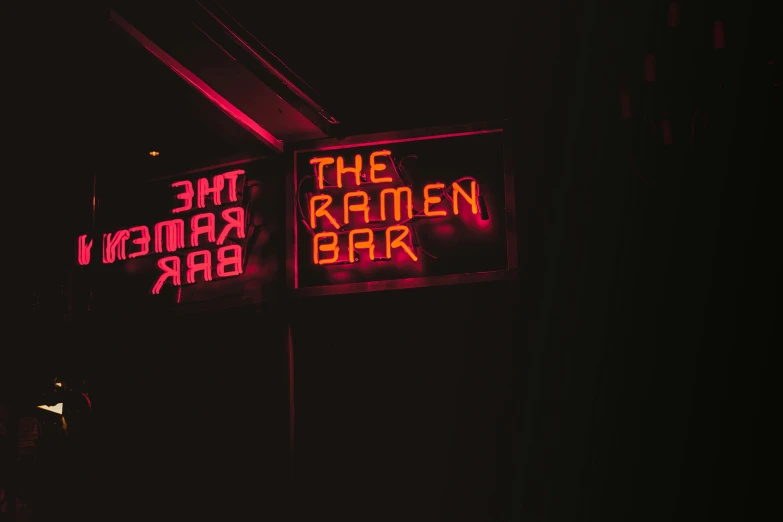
[[150, 108], [403, 66]]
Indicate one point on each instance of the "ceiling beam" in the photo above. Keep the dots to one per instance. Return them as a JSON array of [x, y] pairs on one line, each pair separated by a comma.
[[241, 36], [245, 121]]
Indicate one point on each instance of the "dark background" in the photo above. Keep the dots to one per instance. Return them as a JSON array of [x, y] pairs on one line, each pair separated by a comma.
[[645, 381], [400, 404]]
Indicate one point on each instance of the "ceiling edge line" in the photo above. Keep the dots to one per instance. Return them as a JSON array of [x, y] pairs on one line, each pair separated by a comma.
[[231, 110]]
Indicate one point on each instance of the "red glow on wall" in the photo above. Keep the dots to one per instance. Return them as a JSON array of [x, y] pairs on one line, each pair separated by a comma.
[[210, 227]]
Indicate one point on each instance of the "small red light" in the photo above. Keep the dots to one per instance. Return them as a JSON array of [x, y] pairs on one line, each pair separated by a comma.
[[718, 35], [674, 14], [666, 131], [625, 102], [649, 68]]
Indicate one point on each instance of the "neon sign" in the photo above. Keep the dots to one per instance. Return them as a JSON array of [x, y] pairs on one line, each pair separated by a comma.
[[398, 209], [208, 215], [395, 210]]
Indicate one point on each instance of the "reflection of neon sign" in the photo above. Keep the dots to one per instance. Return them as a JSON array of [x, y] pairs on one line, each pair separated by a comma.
[[371, 218], [216, 227]]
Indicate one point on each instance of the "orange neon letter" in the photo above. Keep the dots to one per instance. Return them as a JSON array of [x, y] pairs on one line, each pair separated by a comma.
[[208, 229], [205, 266], [321, 163], [114, 246], [229, 256], [143, 241], [376, 167], [235, 219], [398, 241], [232, 183], [322, 211], [186, 196], [470, 199], [83, 250], [174, 230], [325, 247], [204, 189], [356, 170], [397, 195], [353, 245], [170, 267], [432, 200], [362, 207]]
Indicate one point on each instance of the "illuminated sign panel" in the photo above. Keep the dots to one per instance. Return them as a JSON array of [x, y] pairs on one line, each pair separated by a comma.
[[200, 228], [400, 213], [188, 235]]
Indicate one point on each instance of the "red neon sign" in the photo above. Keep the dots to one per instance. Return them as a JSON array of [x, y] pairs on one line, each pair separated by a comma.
[[196, 233], [359, 212]]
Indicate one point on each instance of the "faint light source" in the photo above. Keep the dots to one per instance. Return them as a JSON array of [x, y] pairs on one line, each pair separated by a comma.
[[57, 408], [718, 35], [58, 384], [154, 153], [649, 68], [674, 14]]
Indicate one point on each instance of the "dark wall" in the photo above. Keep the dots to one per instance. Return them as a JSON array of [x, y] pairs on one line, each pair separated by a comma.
[[191, 422], [645, 376], [401, 402]]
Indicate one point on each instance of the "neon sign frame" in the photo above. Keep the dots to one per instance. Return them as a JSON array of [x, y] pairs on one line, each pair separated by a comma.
[[467, 193]]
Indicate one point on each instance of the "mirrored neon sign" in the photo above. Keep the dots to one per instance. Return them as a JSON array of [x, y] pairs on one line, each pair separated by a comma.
[[199, 246]]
